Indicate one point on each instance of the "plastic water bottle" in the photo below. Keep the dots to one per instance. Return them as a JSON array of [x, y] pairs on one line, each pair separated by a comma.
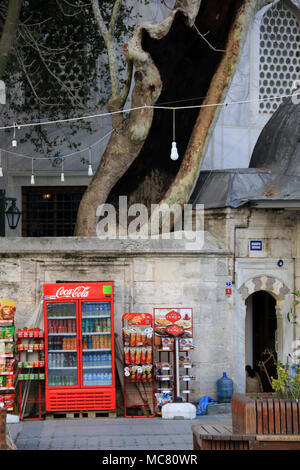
[[224, 389]]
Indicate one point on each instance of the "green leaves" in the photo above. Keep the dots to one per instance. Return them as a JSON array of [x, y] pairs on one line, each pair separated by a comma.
[[287, 384], [59, 67]]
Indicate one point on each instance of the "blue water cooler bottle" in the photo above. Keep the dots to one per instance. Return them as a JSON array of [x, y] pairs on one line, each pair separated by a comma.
[[224, 389]]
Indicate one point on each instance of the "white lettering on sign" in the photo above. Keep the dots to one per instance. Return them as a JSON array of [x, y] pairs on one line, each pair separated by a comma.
[[78, 292]]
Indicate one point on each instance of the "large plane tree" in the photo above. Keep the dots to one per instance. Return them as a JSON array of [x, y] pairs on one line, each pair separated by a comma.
[[188, 59]]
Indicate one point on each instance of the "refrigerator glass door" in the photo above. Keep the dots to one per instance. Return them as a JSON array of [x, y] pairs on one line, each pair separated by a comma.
[[96, 343], [62, 357]]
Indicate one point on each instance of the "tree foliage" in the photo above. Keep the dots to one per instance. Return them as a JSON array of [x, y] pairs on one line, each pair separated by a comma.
[[58, 64]]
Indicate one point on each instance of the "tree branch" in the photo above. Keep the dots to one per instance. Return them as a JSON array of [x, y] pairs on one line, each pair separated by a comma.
[[127, 83], [108, 39], [114, 16], [24, 68], [62, 84]]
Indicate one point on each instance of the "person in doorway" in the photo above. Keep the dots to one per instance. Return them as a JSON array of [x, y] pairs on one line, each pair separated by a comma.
[[253, 381]]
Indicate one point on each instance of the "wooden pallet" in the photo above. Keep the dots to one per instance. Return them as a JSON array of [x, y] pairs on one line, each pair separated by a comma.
[[82, 414]]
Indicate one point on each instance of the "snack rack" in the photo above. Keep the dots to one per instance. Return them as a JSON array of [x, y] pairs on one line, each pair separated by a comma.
[[30, 346], [185, 367], [173, 372], [7, 355], [139, 400]]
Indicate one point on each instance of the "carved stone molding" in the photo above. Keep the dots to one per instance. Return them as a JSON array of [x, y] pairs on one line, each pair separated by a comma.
[[263, 282]]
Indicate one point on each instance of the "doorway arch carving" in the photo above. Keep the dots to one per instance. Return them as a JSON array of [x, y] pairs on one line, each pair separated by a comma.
[[284, 333]]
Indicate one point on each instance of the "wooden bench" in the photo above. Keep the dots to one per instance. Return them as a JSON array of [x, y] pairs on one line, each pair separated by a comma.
[[220, 437]]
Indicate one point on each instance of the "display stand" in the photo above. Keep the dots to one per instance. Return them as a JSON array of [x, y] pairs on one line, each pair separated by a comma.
[[7, 355], [172, 366], [139, 400], [31, 376]]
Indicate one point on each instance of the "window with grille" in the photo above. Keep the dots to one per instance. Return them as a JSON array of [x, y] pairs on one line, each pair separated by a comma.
[[51, 211], [279, 55]]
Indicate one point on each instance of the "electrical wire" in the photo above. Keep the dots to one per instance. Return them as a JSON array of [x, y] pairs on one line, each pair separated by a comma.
[[137, 108], [55, 158]]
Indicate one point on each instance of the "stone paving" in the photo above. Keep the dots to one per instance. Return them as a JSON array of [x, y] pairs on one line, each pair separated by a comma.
[[108, 434]]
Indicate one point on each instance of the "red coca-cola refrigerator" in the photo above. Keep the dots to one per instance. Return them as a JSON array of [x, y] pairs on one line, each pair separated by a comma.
[[79, 346]]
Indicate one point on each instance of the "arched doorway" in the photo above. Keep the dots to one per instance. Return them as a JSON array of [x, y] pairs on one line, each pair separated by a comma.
[[260, 332]]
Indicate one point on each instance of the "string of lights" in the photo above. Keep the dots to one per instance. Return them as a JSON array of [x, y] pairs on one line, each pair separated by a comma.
[[174, 152], [60, 158]]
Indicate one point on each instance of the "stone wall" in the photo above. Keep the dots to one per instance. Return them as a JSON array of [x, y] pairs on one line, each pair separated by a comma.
[[149, 274], [143, 278]]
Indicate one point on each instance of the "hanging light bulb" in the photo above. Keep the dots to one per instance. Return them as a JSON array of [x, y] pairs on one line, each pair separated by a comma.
[[90, 169], [174, 153], [14, 141], [1, 171], [32, 181], [62, 175]]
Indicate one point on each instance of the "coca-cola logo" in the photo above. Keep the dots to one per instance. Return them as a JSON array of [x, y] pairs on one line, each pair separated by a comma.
[[77, 292]]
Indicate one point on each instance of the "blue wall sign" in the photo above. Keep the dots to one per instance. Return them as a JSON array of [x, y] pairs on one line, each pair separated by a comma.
[[255, 245]]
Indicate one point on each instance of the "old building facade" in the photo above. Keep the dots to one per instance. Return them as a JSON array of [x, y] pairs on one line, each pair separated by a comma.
[[148, 275], [240, 283]]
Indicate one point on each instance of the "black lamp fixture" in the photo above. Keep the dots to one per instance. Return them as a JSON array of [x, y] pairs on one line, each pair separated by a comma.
[[13, 214]]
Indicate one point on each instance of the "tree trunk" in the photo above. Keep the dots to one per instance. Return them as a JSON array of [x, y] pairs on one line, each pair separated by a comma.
[[9, 32], [129, 136]]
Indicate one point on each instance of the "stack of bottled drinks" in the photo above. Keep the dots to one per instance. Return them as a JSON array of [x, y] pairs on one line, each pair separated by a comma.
[[92, 309], [93, 359], [62, 380], [98, 325], [57, 360], [97, 378]]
